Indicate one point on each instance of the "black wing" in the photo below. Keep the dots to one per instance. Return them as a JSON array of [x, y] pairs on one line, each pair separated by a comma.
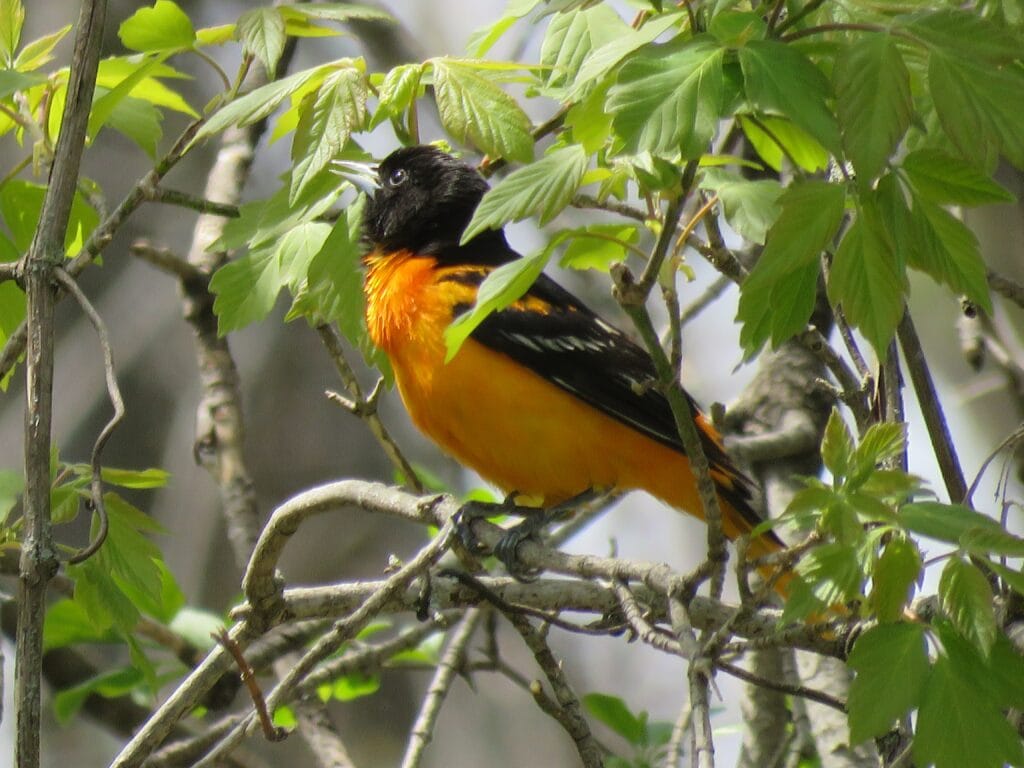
[[553, 334]]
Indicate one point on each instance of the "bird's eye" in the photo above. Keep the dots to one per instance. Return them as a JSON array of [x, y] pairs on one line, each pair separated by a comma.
[[397, 177]]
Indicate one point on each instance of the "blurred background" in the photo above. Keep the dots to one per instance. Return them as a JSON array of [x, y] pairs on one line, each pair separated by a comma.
[[296, 438]]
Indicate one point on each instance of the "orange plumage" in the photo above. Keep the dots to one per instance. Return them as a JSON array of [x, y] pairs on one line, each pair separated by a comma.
[[523, 401]]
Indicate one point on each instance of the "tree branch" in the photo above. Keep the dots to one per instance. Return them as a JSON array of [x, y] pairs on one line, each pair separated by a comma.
[[39, 558], [449, 665], [931, 409]]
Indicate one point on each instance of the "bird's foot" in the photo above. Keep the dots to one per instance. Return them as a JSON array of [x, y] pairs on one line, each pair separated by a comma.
[[533, 524], [471, 511]]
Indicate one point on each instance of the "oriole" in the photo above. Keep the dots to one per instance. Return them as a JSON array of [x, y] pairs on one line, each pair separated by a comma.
[[545, 398]]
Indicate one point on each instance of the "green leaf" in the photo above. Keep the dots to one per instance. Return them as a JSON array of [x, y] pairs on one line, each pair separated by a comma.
[[945, 249], [196, 626], [284, 717], [735, 29], [246, 289], [65, 501], [542, 188], [837, 445], [139, 121], [597, 246], [978, 106], [354, 686], [501, 287], [398, 91], [20, 204], [668, 99], [11, 486], [261, 31], [961, 33], [476, 110], [833, 572], [966, 598], [115, 70], [339, 11], [806, 505], [892, 485], [867, 278], [572, 35], [881, 442], [164, 27], [334, 283], [1013, 577], [265, 221], [326, 122], [944, 522], [131, 558], [39, 52], [480, 41], [775, 138], [12, 81], [297, 248], [120, 682], [992, 541], [873, 102], [258, 103], [893, 578], [106, 101], [218, 35], [613, 712], [139, 479], [12, 19], [891, 662], [942, 179], [588, 120], [780, 79], [777, 298], [751, 207], [958, 724], [67, 623], [602, 60], [101, 599]]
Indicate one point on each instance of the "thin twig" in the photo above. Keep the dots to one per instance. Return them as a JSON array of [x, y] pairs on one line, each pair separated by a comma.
[[705, 300], [893, 396], [193, 202], [931, 409], [674, 750], [643, 628], [343, 630], [449, 665], [687, 429], [792, 690], [853, 391], [573, 721], [612, 206], [1006, 288], [114, 393], [332, 342], [270, 732], [168, 261]]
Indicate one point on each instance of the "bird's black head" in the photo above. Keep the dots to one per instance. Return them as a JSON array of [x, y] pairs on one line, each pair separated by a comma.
[[425, 200]]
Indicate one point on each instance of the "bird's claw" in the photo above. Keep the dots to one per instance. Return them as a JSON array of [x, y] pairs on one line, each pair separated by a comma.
[[507, 548]]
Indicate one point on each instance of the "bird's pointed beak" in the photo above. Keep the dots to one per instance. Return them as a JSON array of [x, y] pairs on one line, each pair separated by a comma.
[[362, 176]]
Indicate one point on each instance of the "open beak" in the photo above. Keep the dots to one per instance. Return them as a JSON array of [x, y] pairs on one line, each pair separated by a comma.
[[362, 176]]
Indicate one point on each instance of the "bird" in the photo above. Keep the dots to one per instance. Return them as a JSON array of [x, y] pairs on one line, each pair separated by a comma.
[[544, 399]]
